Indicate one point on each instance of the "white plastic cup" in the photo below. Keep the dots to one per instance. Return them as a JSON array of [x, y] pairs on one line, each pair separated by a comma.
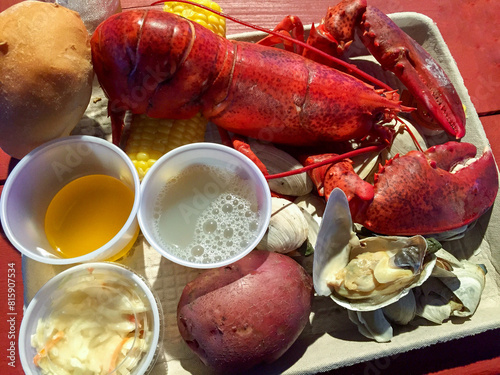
[[39, 176], [176, 161], [116, 281], [92, 12]]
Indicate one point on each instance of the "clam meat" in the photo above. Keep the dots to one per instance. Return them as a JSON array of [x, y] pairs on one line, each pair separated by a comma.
[[367, 274]]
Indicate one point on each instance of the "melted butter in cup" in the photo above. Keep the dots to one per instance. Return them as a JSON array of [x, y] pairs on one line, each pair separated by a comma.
[[72, 200]]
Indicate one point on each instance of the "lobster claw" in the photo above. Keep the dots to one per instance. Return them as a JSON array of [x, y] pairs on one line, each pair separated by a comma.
[[415, 68], [439, 190], [395, 51], [425, 192]]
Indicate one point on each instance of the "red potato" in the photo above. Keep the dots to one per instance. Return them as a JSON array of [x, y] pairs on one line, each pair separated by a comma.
[[247, 313]]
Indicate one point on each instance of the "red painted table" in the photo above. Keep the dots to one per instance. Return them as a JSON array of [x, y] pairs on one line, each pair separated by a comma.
[[472, 33]]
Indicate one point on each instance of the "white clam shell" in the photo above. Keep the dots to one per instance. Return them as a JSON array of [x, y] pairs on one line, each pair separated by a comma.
[[372, 324], [452, 291], [312, 204], [277, 161], [433, 301], [467, 287], [402, 311], [288, 228], [337, 244], [335, 236], [313, 208], [313, 228]]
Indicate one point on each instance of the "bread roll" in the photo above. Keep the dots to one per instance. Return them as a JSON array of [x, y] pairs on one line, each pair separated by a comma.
[[45, 74]]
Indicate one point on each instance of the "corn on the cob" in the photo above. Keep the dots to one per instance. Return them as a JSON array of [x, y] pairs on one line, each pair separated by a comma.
[[204, 17], [149, 139]]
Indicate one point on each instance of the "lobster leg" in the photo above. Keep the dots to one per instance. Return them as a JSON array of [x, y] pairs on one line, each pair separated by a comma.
[[397, 52], [117, 123], [336, 31], [240, 145], [342, 175], [290, 25], [333, 35]]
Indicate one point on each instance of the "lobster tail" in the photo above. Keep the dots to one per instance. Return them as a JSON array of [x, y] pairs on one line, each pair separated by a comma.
[[149, 63]]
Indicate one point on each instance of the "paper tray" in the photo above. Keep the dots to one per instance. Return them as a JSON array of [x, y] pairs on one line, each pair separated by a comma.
[[330, 340]]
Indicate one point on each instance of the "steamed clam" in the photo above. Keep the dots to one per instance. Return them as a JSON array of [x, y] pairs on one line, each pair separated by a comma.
[[312, 208], [402, 311], [368, 274], [389, 280], [313, 205], [277, 161], [288, 228], [376, 324], [454, 289], [372, 324]]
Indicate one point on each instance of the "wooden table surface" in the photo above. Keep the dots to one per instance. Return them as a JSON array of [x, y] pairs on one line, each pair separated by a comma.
[[470, 28]]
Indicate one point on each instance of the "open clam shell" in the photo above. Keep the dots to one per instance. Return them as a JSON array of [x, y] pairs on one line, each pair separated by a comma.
[[455, 289], [368, 274]]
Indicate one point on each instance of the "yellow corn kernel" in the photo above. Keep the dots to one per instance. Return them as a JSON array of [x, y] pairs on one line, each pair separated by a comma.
[[149, 139], [204, 17]]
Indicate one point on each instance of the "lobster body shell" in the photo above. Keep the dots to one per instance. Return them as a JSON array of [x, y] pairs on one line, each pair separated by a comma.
[[162, 65]]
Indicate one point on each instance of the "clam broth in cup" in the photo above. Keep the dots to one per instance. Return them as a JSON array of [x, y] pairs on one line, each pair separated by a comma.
[[204, 205]]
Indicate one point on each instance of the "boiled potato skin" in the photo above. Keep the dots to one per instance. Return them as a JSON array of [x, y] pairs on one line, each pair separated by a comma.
[[45, 74], [249, 312]]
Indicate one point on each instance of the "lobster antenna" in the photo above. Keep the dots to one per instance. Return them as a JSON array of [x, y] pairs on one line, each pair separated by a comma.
[[336, 60], [333, 159], [414, 139]]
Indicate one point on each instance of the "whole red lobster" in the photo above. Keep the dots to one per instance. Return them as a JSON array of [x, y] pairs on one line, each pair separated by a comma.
[[162, 65]]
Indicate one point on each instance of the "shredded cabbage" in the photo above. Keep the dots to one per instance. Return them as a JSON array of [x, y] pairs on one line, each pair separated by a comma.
[[95, 328]]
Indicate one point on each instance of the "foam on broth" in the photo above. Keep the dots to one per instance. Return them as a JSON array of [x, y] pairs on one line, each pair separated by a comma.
[[206, 214]]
